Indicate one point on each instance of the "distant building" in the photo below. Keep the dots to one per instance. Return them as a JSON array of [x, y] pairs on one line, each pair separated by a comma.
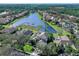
[[44, 16], [4, 13]]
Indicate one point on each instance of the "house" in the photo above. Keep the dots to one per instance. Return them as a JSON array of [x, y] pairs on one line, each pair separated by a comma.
[[49, 17], [4, 13], [40, 36], [28, 32], [77, 35], [72, 18], [52, 18], [5, 20], [9, 30], [44, 15], [25, 32], [21, 14], [62, 39]]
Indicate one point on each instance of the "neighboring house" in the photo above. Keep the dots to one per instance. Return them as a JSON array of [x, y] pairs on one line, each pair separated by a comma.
[[9, 30], [21, 14], [25, 32], [5, 20], [44, 15], [40, 36], [77, 35], [28, 32], [52, 18], [72, 18], [62, 39], [9, 17], [5, 13], [48, 17]]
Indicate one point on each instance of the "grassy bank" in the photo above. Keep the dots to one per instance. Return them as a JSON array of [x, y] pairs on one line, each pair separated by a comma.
[[28, 27], [57, 28], [15, 20]]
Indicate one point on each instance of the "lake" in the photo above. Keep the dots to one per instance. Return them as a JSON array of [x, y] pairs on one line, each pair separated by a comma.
[[34, 20]]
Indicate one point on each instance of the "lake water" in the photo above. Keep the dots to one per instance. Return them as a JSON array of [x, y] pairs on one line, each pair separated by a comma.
[[34, 20]]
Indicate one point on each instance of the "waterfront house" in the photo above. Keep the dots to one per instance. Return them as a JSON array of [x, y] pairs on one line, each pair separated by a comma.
[[28, 32], [5, 20], [9, 30], [25, 32], [21, 14], [62, 39], [5, 13], [40, 36]]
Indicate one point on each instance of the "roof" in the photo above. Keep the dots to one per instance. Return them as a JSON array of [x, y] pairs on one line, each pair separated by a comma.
[[63, 38], [28, 32], [9, 30], [52, 17]]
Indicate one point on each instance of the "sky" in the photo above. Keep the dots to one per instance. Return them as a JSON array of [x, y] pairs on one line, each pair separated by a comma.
[[37, 1]]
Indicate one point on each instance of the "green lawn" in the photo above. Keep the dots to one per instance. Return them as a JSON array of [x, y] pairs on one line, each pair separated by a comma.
[[39, 16], [27, 48], [28, 27], [58, 29], [6, 26]]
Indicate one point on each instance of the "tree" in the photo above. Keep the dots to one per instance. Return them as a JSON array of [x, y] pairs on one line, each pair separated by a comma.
[[76, 41], [69, 50], [41, 45], [50, 49], [50, 37], [1, 27]]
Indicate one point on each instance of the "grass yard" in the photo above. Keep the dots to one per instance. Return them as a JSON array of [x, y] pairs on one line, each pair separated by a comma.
[[27, 48], [58, 29], [28, 27]]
